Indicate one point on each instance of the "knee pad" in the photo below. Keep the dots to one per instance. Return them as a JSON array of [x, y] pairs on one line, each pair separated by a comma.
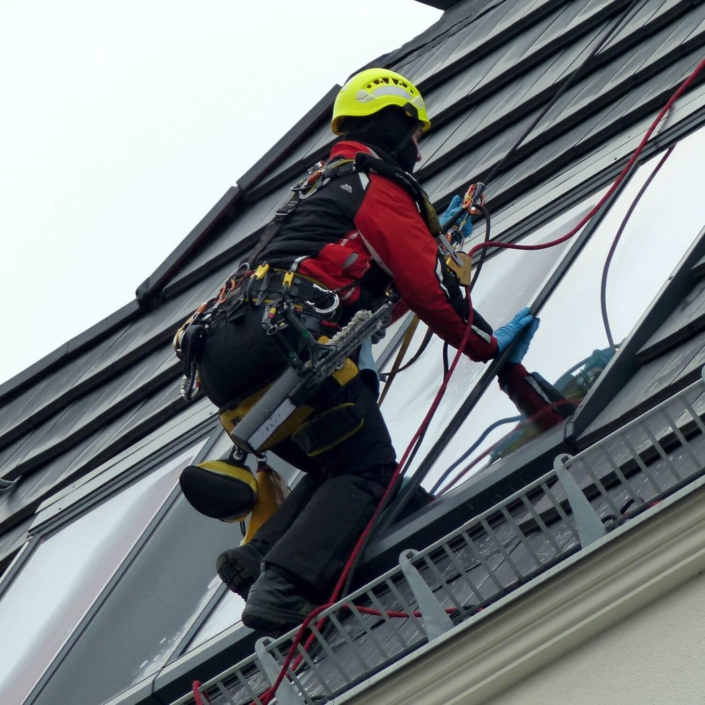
[[220, 489], [225, 490]]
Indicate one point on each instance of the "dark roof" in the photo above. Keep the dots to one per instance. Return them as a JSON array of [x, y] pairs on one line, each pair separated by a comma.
[[485, 68]]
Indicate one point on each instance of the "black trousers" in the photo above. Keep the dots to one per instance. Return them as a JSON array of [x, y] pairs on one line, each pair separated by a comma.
[[312, 534]]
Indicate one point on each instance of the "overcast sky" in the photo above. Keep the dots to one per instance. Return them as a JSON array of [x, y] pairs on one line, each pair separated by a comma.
[[123, 123]]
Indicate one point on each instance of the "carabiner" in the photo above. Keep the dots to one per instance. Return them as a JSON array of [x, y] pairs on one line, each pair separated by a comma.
[[329, 309]]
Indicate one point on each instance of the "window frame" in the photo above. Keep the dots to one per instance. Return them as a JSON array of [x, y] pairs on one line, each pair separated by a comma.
[[490, 372], [207, 433]]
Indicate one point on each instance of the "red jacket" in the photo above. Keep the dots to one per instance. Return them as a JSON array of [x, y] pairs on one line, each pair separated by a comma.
[[360, 232]]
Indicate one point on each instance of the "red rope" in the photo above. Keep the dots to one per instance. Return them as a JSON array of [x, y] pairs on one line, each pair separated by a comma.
[[683, 87], [269, 694], [197, 694]]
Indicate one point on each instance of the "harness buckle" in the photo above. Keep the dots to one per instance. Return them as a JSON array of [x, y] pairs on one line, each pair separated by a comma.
[[288, 279], [261, 271]]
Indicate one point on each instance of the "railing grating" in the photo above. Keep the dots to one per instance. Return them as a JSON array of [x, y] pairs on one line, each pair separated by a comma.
[[490, 555]]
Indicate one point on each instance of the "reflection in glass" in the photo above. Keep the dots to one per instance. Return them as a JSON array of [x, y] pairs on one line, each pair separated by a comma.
[[509, 282], [67, 572], [571, 349], [391, 331]]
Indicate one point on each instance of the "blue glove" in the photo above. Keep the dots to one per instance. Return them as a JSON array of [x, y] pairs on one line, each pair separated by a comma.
[[507, 333], [453, 209], [522, 346]]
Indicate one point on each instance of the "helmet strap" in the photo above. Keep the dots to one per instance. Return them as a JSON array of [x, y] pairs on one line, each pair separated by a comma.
[[397, 153], [405, 140]]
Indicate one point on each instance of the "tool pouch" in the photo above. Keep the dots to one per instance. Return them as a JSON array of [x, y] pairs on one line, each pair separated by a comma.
[[329, 428]]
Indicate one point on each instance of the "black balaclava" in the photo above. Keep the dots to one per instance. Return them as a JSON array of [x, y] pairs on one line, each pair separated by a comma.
[[390, 130]]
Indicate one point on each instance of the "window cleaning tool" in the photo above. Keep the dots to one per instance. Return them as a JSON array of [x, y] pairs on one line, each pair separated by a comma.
[[296, 386]]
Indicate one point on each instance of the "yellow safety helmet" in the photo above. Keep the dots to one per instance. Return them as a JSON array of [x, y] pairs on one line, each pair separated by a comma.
[[369, 91]]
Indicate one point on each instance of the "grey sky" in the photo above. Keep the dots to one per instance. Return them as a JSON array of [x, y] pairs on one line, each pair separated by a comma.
[[122, 125]]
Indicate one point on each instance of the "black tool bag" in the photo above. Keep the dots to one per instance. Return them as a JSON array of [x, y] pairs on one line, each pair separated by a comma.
[[329, 428]]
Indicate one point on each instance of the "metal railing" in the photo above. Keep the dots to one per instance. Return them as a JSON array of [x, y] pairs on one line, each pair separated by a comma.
[[433, 590]]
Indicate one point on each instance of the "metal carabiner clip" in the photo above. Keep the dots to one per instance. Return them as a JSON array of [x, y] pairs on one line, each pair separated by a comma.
[[329, 309]]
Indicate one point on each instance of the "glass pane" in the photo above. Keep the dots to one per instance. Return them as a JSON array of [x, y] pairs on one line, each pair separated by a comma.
[[570, 349], [505, 286], [226, 614], [67, 572]]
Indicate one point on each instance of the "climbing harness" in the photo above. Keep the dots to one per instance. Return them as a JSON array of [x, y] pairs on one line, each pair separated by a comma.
[[292, 301], [254, 286]]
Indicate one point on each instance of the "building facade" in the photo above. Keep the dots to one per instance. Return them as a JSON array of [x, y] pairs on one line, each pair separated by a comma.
[[564, 581]]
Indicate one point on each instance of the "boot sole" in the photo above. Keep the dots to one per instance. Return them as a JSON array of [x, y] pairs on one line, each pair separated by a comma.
[[267, 620]]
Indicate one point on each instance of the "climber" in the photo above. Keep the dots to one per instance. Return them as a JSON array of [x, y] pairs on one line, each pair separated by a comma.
[[356, 232]]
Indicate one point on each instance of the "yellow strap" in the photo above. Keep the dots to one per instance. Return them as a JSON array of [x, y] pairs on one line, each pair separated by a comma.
[[400, 356], [271, 493]]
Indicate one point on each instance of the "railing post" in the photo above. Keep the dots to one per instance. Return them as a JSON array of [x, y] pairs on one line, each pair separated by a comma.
[[590, 526], [286, 693], [435, 619]]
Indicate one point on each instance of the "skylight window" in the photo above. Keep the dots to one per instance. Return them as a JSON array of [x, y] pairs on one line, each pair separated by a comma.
[[67, 572], [571, 349]]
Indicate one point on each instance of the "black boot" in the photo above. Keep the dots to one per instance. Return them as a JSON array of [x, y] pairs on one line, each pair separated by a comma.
[[274, 604], [239, 567]]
